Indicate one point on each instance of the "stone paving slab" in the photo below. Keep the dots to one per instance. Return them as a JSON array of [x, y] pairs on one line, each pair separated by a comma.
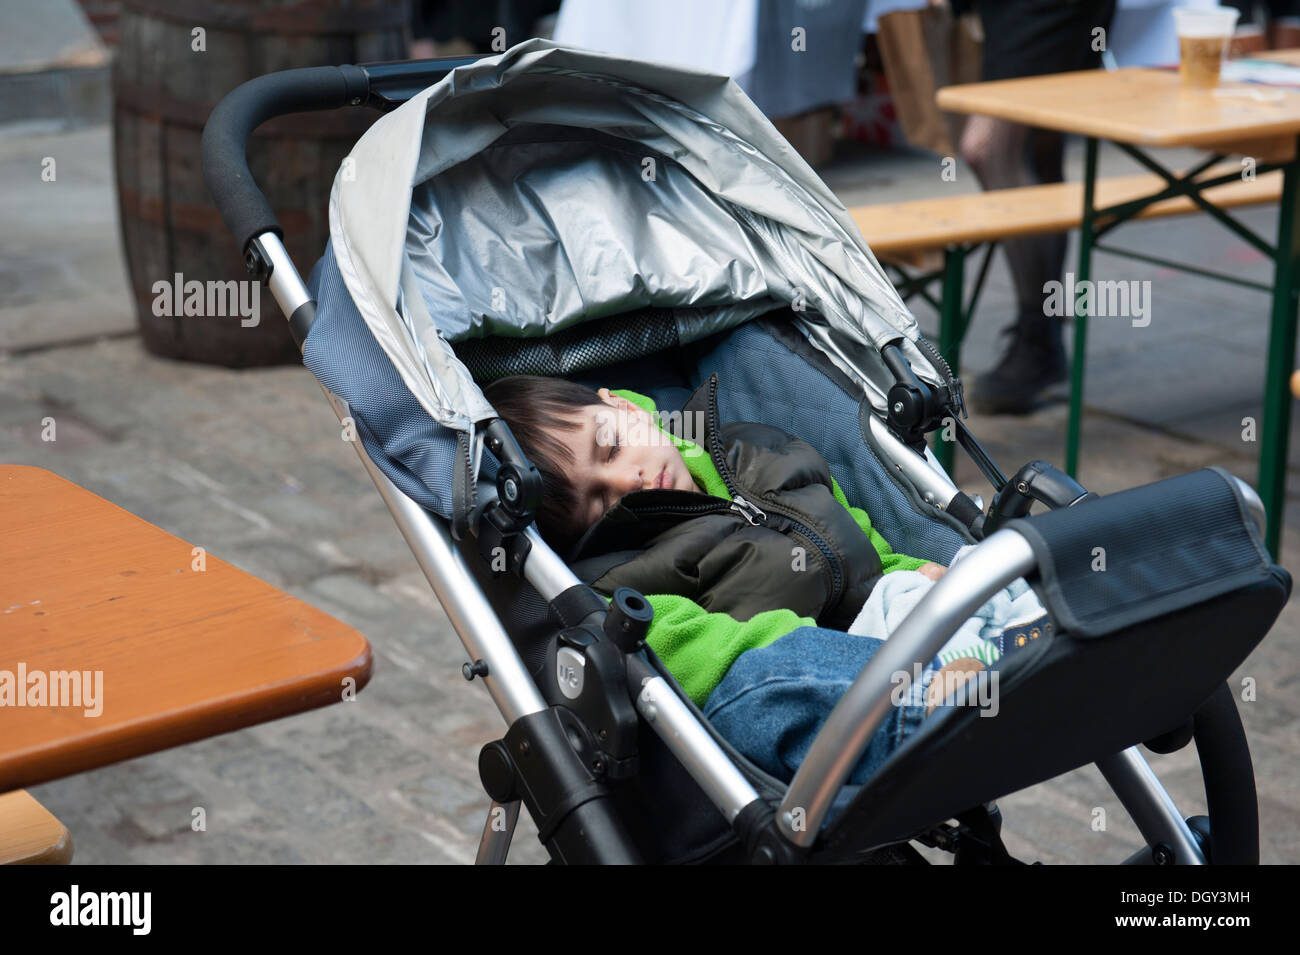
[[62, 276]]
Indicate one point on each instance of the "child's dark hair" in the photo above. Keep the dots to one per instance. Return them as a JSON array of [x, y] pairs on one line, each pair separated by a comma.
[[534, 407]]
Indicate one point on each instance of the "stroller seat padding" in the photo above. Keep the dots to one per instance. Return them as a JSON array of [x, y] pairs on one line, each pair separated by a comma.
[[1114, 561]]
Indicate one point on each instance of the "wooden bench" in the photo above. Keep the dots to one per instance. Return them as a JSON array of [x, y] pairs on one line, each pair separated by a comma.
[[30, 834], [926, 241]]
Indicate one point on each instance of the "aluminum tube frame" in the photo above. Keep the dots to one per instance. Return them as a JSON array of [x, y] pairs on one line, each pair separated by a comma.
[[701, 756], [686, 738], [683, 734], [993, 564], [476, 622], [925, 474], [494, 845], [473, 617], [544, 569], [286, 284], [1151, 807]]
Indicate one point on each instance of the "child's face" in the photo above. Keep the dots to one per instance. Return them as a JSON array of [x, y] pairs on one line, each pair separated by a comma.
[[618, 448]]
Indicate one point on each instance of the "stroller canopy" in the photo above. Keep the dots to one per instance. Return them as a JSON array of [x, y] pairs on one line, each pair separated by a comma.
[[546, 187]]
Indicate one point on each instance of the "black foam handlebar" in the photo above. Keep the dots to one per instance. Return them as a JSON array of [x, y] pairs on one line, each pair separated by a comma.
[[225, 136], [381, 86]]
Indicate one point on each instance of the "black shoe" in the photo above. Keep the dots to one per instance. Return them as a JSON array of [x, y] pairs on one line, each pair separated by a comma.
[[1033, 361]]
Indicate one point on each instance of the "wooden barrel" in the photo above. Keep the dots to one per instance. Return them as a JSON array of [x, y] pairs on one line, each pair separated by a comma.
[[175, 60]]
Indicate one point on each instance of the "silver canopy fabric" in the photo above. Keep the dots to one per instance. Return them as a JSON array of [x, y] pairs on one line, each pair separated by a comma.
[[548, 186]]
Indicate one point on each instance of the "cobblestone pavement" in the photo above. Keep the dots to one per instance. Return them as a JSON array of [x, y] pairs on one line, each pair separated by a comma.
[[250, 465]]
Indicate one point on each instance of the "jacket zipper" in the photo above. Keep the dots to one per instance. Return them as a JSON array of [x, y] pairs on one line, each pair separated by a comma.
[[837, 581], [740, 506], [681, 508], [746, 507]]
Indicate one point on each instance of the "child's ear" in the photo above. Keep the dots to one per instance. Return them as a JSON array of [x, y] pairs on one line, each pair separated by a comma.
[[613, 400]]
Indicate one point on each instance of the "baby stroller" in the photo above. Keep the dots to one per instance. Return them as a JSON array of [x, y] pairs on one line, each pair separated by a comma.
[[561, 212]]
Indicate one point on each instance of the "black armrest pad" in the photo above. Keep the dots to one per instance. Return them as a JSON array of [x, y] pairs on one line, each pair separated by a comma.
[[1128, 557]]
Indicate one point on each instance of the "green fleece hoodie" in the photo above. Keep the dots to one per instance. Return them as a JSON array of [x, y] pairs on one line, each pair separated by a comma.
[[699, 647]]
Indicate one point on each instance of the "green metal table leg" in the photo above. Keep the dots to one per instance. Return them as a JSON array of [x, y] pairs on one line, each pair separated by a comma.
[[1275, 429], [950, 335], [1080, 319]]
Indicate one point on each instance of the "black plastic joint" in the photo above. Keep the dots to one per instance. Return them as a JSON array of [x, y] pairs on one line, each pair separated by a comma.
[[544, 771], [519, 483], [496, 770], [756, 825], [500, 543], [1172, 740], [574, 605], [256, 264], [628, 619], [356, 83]]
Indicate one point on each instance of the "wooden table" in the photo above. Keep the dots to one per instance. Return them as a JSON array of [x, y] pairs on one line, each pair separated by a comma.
[[1136, 108], [182, 653]]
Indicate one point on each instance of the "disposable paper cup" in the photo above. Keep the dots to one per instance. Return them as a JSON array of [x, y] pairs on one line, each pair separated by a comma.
[[1203, 38]]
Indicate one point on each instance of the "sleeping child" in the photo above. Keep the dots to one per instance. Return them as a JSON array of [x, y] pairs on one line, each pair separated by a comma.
[[758, 569]]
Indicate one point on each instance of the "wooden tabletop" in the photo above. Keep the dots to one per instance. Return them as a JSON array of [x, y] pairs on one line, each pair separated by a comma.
[[1282, 56], [179, 654], [1139, 106]]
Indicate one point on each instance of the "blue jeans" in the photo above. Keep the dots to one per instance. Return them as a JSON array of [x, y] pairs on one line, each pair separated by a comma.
[[774, 700]]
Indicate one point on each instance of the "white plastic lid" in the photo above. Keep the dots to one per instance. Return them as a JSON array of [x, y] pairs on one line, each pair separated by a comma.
[[1205, 21]]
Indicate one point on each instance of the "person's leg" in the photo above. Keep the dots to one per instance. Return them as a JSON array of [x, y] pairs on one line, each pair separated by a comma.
[[1006, 155], [1028, 39], [995, 150], [1037, 261], [774, 700], [1045, 151]]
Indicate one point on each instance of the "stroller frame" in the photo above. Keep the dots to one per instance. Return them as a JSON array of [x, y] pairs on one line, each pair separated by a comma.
[[569, 802]]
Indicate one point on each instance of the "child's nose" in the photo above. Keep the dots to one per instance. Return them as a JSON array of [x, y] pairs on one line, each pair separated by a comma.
[[634, 479]]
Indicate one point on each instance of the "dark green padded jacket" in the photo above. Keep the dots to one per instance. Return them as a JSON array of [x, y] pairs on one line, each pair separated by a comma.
[[771, 546]]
